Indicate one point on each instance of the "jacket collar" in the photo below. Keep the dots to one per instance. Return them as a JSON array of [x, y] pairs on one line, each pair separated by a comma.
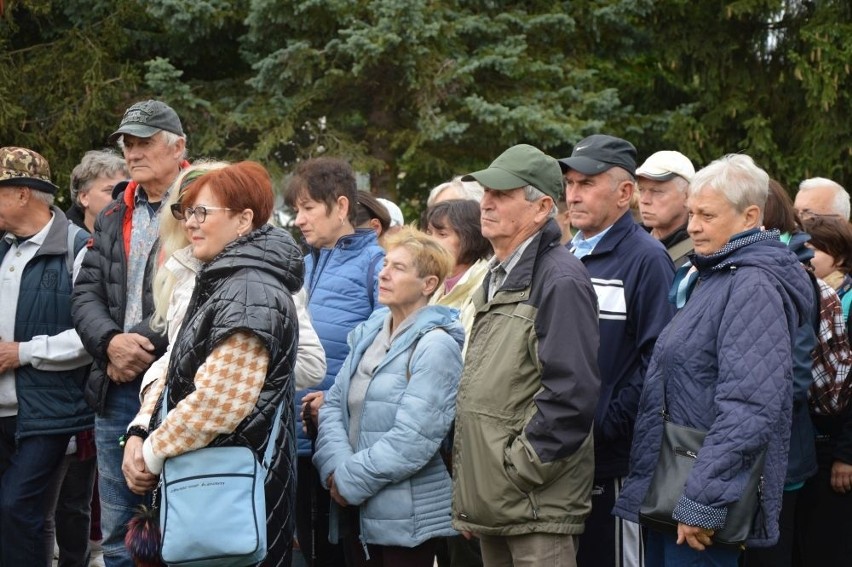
[[624, 226]]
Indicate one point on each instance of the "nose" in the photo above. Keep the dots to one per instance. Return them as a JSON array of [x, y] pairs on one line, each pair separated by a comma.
[[383, 273], [645, 197], [191, 222], [300, 219], [693, 225]]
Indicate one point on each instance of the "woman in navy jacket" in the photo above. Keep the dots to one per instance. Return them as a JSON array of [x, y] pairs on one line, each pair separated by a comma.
[[726, 363]]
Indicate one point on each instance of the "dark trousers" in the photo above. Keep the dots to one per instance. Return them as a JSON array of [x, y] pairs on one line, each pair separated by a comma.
[[69, 509], [780, 554], [25, 473], [458, 551], [663, 551], [369, 555], [824, 523], [609, 541], [312, 505]]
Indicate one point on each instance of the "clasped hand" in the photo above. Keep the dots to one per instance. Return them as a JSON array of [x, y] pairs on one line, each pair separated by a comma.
[[139, 479], [130, 354]]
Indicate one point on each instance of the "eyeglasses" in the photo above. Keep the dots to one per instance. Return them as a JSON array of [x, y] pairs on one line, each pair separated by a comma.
[[199, 212], [807, 214]]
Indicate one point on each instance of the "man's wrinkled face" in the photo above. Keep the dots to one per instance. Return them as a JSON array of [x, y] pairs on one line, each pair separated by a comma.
[[662, 204]]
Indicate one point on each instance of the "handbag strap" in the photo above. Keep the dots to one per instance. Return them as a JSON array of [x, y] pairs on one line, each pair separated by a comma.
[[270, 446]]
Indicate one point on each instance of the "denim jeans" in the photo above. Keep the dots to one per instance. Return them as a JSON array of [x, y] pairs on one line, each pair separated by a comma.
[[24, 481], [118, 504], [663, 551]]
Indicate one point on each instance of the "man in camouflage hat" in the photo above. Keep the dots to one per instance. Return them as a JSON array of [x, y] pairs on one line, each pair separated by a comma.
[[113, 301], [43, 365]]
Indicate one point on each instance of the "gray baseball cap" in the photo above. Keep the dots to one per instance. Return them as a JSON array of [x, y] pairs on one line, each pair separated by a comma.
[[146, 118]]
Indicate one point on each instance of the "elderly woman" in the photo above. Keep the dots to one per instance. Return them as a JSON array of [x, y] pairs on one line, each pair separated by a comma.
[[92, 181], [724, 364], [455, 224], [341, 269], [389, 409], [239, 331]]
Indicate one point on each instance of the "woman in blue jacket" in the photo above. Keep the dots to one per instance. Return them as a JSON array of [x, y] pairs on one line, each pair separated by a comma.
[[393, 402], [724, 364], [341, 267]]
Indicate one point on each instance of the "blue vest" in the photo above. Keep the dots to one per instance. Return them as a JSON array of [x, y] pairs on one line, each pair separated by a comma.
[[49, 402]]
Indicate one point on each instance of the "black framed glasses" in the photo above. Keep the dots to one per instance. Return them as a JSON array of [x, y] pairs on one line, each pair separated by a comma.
[[199, 212]]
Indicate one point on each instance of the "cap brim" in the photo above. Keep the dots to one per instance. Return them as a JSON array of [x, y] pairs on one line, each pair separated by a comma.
[[585, 165], [32, 183], [138, 130], [656, 175], [496, 178]]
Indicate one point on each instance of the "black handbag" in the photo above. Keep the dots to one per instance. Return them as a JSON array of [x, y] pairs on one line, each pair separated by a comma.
[[678, 452]]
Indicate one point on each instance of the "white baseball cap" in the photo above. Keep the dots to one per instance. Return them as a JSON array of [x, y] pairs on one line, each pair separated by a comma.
[[394, 211], [664, 165]]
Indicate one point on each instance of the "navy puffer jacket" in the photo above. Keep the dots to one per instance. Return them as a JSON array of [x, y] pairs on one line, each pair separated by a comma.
[[727, 365]]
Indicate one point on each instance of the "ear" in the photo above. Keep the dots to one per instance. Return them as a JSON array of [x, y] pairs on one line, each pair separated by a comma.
[[624, 192], [179, 148], [430, 284], [343, 208], [376, 226], [245, 224], [545, 205], [83, 198], [751, 216]]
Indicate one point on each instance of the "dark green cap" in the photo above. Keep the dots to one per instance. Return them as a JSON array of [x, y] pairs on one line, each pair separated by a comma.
[[520, 166]]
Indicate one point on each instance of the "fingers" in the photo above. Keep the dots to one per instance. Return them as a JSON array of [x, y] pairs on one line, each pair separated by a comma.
[[841, 477]]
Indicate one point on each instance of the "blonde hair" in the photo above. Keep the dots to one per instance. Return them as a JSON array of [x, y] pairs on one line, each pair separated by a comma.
[[430, 257], [173, 238]]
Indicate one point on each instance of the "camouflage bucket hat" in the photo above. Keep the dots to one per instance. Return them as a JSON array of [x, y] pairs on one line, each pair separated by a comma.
[[21, 167]]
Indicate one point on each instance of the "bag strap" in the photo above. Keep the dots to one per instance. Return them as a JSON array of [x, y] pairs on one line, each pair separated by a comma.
[[680, 249], [73, 247], [371, 280], [270, 446]]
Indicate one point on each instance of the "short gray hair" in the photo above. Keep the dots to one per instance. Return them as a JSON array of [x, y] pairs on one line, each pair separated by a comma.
[[471, 190], [46, 198], [840, 205], [95, 163], [737, 178], [170, 138], [533, 194]]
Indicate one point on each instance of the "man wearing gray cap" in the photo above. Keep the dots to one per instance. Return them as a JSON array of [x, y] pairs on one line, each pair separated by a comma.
[[631, 273], [43, 365], [112, 302], [523, 450], [662, 182]]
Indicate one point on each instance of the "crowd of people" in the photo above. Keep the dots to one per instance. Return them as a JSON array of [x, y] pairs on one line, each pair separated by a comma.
[[511, 383]]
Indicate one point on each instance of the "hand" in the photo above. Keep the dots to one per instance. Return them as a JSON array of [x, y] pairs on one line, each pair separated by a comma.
[[335, 495], [467, 535], [130, 354], [841, 477], [9, 356], [312, 403], [697, 538], [139, 479]]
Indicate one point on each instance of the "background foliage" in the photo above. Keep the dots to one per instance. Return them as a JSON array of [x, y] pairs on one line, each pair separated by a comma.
[[416, 91]]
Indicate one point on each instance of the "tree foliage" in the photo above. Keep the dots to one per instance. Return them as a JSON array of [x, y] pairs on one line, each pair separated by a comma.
[[416, 91]]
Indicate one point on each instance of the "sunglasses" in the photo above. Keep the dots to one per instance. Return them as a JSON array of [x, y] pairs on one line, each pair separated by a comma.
[[199, 212]]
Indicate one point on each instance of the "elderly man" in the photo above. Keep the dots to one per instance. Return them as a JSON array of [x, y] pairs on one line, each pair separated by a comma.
[[454, 189], [113, 304], [662, 182], [43, 364], [821, 197], [631, 273], [523, 451]]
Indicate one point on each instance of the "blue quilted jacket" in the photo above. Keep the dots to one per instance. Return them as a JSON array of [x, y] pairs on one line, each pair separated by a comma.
[[395, 473], [727, 365], [342, 287]]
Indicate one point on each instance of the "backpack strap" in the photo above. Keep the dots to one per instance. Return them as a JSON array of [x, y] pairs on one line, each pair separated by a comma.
[[76, 241], [371, 281], [680, 249]]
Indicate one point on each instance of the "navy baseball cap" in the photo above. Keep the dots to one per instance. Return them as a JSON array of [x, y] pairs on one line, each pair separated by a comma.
[[598, 153]]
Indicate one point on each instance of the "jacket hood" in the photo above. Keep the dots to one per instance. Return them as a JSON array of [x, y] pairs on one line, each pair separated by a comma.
[[268, 249], [764, 250]]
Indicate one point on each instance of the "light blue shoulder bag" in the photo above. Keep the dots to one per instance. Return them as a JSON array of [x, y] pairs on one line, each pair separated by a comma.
[[213, 508]]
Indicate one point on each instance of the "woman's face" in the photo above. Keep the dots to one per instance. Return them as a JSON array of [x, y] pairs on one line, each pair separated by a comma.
[[713, 220], [322, 228], [823, 263], [219, 227], [447, 237], [99, 193], [400, 285]]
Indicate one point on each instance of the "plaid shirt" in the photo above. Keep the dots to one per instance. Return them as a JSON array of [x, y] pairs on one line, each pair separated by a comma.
[[832, 358]]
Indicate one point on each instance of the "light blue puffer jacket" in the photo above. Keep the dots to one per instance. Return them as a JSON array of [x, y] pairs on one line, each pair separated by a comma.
[[342, 292], [396, 475]]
